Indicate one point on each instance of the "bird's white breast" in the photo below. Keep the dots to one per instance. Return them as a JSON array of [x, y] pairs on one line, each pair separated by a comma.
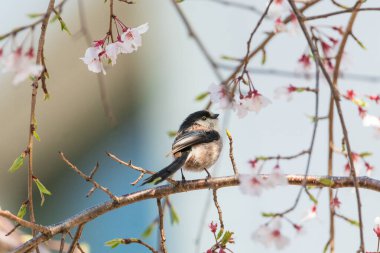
[[203, 156]]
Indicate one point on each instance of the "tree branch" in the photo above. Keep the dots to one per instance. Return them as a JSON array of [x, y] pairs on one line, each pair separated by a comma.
[[192, 185]]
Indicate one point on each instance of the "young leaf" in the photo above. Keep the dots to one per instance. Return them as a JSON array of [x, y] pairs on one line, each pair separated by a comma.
[[226, 237], [201, 96], [34, 15], [17, 163], [63, 24], [173, 215], [264, 57], [43, 190], [326, 181], [312, 198], [365, 154], [22, 211], [148, 231], [267, 215], [114, 242], [220, 233], [35, 134]]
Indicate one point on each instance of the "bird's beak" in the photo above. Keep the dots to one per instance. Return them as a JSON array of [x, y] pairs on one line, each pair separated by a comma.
[[214, 116]]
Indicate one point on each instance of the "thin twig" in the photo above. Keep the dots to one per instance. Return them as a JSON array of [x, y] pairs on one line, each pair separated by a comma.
[[336, 96], [326, 15], [100, 78], [238, 5], [32, 126], [135, 240], [24, 223], [161, 225], [232, 158], [246, 59], [62, 244], [190, 185], [89, 179], [134, 167], [77, 236], [282, 157], [220, 214]]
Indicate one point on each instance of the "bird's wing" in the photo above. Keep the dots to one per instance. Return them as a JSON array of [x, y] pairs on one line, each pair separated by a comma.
[[189, 138]]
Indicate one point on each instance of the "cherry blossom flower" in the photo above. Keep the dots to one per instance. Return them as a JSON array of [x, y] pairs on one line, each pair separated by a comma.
[[285, 91], [279, 25], [271, 234], [253, 163], [105, 50], [276, 178], [254, 101], [213, 227], [219, 95], [22, 65], [369, 168], [305, 61], [251, 184], [335, 203], [311, 214], [371, 121], [376, 228], [375, 98], [300, 229], [93, 58]]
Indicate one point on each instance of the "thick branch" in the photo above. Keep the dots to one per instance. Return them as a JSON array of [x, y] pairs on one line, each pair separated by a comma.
[[193, 185]]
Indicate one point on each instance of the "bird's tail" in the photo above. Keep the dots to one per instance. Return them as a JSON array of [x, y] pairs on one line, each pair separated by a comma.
[[168, 170]]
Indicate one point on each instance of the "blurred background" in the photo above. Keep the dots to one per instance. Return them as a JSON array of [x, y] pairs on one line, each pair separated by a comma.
[[150, 92]]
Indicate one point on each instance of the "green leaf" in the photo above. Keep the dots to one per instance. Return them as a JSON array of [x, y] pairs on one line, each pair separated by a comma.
[[55, 18], [261, 158], [326, 181], [326, 247], [63, 24], [202, 96], [365, 154], [22, 211], [43, 190], [174, 218], [353, 222], [312, 198], [267, 215], [264, 57], [172, 133], [179, 1], [226, 237], [17, 163], [114, 242], [220, 233], [358, 41], [35, 134], [34, 15], [148, 231]]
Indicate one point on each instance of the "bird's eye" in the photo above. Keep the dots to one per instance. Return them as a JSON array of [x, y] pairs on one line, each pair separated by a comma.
[[204, 118]]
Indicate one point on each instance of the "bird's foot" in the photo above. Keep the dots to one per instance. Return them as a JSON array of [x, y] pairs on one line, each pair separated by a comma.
[[183, 177], [208, 174]]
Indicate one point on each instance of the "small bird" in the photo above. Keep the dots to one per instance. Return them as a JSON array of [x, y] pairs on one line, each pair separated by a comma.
[[196, 147]]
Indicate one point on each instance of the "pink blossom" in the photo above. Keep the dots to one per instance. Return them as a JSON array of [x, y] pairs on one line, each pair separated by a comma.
[[253, 163], [271, 235], [219, 95], [112, 51], [213, 227], [93, 58], [131, 38], [279, 25], [311, 214], [371, 121], [350, 95], [305, 62], [251, 184], [369, 168], [254, 101], [276, 178], [335, 203], [376, 228], [285, 91], [22, 65], [375, 98]]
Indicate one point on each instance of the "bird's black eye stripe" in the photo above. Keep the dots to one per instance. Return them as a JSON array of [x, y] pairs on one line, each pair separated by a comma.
[[204, 118]]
